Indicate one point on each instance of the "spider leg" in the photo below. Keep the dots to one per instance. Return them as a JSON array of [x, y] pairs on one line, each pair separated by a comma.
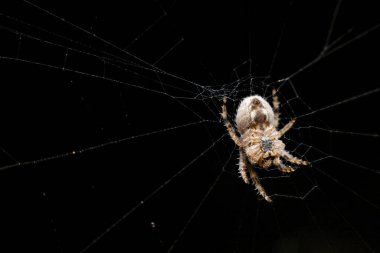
[[285, 154], [259, 187], [243, 166], [282, 167], [229, 126], [286, 128], [276, 108]]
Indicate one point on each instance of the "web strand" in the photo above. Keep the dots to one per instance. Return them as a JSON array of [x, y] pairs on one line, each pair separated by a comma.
[[203, 102], [148, 197]]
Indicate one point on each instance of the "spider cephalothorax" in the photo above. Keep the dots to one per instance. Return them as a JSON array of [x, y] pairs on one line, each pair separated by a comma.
[[259, 141]]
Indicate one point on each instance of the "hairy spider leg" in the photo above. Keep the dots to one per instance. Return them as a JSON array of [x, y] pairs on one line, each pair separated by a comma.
[[229, 126], [286, 155], [258, 186], [286, 128], [276, 108], [243, 167]]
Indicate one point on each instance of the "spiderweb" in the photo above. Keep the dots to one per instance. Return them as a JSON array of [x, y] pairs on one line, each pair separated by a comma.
[[112, 139]]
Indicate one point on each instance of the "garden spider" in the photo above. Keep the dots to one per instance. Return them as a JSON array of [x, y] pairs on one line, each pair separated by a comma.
[[259, 142]]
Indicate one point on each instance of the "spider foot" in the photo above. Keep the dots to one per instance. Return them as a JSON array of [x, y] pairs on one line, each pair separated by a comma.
[[293, 159], [298, 161], [268, 199], [286, 169], [245, 178]]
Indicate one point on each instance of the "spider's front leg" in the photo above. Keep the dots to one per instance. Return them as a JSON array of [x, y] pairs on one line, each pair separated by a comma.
[[243, 167], [229, 126], [285, 154], [276, 108]]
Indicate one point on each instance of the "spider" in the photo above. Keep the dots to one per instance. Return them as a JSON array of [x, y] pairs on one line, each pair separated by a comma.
[[259, 141]]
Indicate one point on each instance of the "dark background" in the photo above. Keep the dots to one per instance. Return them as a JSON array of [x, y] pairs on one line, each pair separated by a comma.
[[56, 100]]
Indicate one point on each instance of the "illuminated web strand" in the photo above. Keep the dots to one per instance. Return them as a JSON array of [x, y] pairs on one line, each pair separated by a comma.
[[327, 156], [114, 57], [138, 37], [100, 57], [313, 217], [365, 94], [77, 152], [96, 76], [357, 37], [149, 196], [349, 189], [110, 56], [359, 235], [199, 206], [332, 24], [342, 216], [108, 43], [327, 51], [168, 52], [297, 97], [239, 84], [8, 155], [335, 180], [302, 197], [338, 131]]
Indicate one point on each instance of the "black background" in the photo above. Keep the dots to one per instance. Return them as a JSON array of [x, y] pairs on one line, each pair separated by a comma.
[[52, 104]]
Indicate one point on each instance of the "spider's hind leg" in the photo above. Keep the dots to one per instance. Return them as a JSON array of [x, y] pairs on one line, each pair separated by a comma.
[[259, 187], [243, 167]]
